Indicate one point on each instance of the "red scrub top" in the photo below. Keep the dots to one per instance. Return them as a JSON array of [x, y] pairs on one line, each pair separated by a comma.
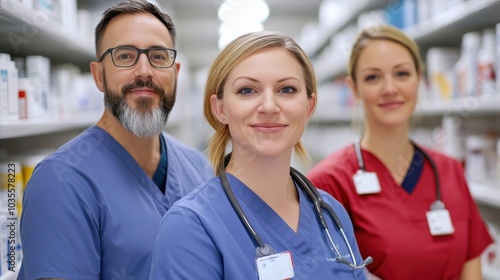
[[391, 226]]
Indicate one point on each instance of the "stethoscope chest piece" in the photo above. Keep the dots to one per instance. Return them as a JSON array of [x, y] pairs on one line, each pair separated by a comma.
[[263, 251]]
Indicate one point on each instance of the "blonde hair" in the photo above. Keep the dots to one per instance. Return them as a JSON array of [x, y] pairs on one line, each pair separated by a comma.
[[224, 63], [383, 32]]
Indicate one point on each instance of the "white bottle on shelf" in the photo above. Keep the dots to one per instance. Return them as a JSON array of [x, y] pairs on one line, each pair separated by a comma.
[[486, 64], [467, 67], [33, 97], [9, 100], [497, 180], [475, 159], [38, 70], [440, 66], [497, 56], [454, 137], [4, 91], [13, 90]]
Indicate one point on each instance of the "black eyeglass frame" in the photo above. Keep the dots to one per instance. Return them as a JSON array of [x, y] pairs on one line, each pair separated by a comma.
[[139, 52]]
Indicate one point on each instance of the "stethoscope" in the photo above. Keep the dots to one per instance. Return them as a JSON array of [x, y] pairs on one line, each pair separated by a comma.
[[438, 204], [263, 249]]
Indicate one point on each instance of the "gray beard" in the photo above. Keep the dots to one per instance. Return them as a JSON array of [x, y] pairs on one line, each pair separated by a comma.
[[144, 121], [143, 124]]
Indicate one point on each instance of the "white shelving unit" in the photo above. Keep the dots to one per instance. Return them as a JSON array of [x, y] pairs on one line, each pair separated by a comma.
[[453, 22], [468, 106], [44, 125], [487, 194], [26, 31], [472, 105], [325, 33], [446, 29], [442, 30]]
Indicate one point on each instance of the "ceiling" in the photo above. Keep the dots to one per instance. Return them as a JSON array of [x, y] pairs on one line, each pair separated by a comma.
[[197, 23]]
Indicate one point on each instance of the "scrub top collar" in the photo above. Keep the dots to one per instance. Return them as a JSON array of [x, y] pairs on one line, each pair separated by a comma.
[[160, 176]]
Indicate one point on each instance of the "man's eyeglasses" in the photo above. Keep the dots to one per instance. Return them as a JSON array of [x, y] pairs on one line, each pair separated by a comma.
[[128, 56]]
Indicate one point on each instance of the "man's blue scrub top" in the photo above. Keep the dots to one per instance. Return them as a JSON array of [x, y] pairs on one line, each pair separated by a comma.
[[201, 237], [91, 212]]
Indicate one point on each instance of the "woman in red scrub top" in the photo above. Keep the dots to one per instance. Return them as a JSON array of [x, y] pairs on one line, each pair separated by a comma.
[[410, 205]]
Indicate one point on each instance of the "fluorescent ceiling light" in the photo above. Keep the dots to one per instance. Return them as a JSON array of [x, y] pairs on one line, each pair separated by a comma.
[[254, 10], [239, 17]]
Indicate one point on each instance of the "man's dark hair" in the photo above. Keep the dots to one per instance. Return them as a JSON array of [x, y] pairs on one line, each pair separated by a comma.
[[131, 7]]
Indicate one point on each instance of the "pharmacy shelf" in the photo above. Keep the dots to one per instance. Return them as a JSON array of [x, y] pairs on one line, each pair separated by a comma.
[[451, 24], [45, 125], [330, 66], [325, 33], [27, 31], [486, 194], [340, 115], [464, 106], [486, 105], [446, 29]]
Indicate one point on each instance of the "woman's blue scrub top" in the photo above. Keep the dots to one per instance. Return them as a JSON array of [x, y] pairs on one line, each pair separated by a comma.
[[201, 237]]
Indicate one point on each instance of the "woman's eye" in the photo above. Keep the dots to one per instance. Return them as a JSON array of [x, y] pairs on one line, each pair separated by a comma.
[[403, 74], [245, 91], [370, 78], [287, 90]]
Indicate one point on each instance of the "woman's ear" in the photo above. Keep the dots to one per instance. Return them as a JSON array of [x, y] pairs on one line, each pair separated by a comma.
[[217, 108], [312, 105], [352, 85]]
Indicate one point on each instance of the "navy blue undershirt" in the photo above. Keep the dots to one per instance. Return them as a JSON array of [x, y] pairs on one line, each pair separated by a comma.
[[414, 171], [160, 176]]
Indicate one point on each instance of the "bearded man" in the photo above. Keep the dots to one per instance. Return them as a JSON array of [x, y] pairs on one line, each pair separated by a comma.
[[92, 209]]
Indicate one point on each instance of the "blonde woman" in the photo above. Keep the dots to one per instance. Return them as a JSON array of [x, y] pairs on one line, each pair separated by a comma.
[[410, 205], [256, 219]]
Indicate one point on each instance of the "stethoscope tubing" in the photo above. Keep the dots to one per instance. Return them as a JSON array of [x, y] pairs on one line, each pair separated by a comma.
[[361, 164], [314, 196]]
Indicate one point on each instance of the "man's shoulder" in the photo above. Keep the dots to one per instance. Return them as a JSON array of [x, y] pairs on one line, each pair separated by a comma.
[[173, 141], [80, 146], [186, 157], [208, 192], [175, 146]]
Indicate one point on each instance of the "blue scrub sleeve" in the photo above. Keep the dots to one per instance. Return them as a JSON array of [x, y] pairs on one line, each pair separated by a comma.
[[59, 230], [184, 250]]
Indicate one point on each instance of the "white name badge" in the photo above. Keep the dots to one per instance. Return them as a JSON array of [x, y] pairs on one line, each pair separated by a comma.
[[440, 222], [275, 267], [366, 182]]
